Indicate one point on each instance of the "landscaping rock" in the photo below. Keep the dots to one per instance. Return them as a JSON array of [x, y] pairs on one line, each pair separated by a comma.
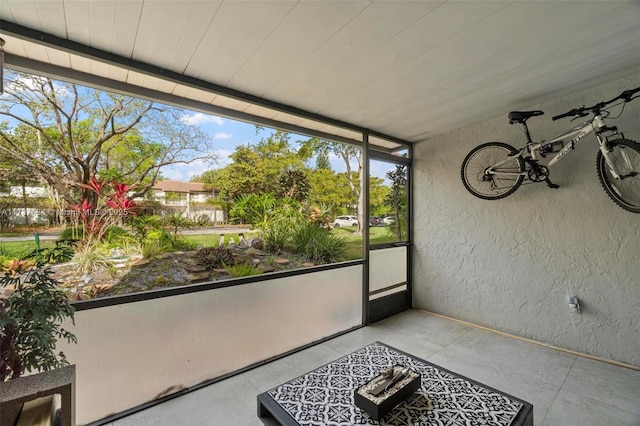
[[194, 268], [197, 276], [139, 262], [221, 243], [266, 269], [243, 244], [257, 244], [308, 264], [282, 261], [220, 271]]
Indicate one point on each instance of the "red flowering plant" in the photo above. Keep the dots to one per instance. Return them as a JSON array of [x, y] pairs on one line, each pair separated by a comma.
[[110, 209]]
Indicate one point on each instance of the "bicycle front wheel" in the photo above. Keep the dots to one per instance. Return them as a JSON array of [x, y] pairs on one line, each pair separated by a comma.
[[506, 174], [625, 156]]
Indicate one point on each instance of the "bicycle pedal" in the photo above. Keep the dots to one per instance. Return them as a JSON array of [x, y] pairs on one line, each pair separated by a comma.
[[551, 184]]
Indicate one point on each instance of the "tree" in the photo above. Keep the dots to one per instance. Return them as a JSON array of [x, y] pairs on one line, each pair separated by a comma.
[[66, 134], [348, 153], [258, 168], [331, 189], [397, 196], [12, 175], [294, 184], [377, 195], [322, 161]]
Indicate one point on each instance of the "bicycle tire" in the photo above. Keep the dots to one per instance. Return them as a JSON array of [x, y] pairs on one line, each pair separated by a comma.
[[624, 192], [491, 187]]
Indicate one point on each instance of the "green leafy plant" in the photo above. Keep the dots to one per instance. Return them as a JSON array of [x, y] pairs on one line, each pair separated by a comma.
[[151, 248], [30, 321], [178, 221], [242, 269], [275, 236], [214, 257], [143, 224], [183, 244], [90, 260], [62, 252], [119, 238], [155, 242], [254, 209], [318, 245], [277, 230]]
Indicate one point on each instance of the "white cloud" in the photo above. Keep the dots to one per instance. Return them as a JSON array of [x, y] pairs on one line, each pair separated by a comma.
[[223, 153], [222, 135], [200, 118]]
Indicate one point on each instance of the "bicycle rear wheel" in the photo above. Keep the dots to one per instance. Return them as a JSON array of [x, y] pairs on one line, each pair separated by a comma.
[[497, 185], [625, 192]]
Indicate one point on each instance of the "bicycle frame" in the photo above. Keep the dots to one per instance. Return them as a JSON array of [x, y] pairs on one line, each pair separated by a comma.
[[575, 135]]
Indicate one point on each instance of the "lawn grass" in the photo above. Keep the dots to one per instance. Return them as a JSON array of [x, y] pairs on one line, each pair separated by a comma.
[[10, 250], [377, 235]]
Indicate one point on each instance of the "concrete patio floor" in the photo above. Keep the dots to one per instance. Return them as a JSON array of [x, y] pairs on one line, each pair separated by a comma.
[[564, 389]]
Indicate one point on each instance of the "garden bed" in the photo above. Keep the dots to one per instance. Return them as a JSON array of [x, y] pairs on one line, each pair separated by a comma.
[[133, 274]]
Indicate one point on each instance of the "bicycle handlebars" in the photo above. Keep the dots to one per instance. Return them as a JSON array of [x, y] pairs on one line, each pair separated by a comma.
[[627, 96]]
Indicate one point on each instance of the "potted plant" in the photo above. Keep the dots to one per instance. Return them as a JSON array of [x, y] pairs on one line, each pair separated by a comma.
[[32, 308]]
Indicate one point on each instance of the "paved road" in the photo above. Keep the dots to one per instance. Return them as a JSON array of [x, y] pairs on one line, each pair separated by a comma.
[[49, 236]]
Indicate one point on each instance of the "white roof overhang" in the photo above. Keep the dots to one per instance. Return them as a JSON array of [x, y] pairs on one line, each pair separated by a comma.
[[400, 71]]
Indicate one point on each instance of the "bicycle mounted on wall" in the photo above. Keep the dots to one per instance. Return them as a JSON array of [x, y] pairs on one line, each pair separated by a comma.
[[495, 170]]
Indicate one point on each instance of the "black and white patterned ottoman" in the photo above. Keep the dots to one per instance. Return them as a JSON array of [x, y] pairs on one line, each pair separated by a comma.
[[324, 397]]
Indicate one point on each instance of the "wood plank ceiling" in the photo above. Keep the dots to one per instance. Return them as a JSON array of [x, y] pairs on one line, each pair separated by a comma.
[[409, 69]]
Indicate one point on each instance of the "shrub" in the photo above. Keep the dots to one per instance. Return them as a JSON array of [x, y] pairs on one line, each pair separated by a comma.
[[178, 221], [143, 224], [253, 208], [151, 248], [89, 260], [242, 269], [214, 257], [117, 237], [277, 231], [160, 236], [72, 233], [203, 220], [30, 322], [183, 244], [275, 236], [318, 245]]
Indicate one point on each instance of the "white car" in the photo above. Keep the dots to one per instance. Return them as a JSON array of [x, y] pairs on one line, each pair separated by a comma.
[[388, 220], [345, 221]]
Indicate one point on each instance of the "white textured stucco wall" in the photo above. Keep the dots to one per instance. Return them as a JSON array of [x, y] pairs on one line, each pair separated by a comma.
[[509, 264]]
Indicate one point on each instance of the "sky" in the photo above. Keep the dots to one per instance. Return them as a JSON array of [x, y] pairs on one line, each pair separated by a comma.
[[228, 134]]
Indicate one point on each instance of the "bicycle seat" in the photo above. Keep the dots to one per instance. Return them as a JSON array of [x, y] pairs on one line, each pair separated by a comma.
[[522, 116]]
